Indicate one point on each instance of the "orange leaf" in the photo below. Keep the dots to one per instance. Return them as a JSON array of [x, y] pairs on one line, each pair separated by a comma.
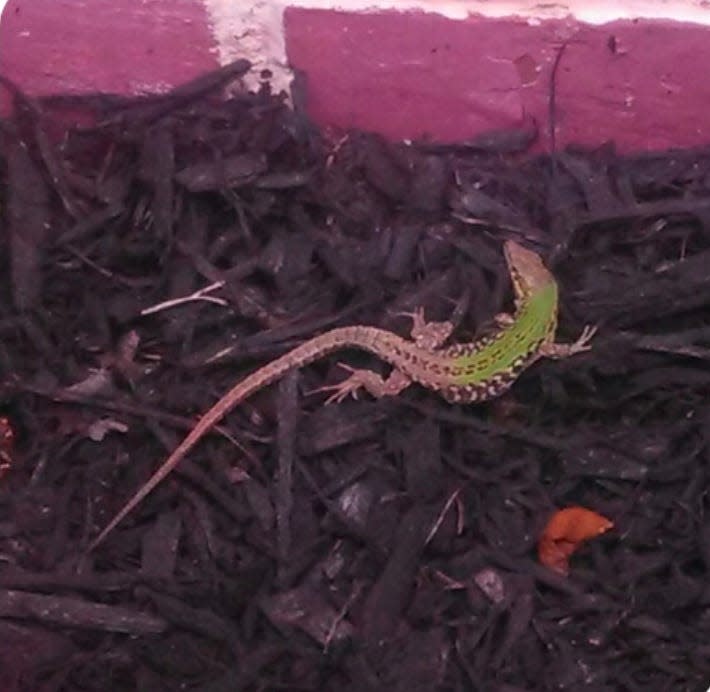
[[566, 530]]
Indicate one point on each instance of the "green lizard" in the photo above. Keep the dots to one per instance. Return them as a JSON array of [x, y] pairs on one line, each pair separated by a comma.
[[461, 373]]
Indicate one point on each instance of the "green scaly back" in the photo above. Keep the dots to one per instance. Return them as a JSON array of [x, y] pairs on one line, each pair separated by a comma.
[[511, 349]]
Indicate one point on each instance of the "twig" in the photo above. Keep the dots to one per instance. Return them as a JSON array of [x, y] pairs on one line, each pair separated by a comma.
[[552, 109], [140, 411], [197, 295], [444, 510]]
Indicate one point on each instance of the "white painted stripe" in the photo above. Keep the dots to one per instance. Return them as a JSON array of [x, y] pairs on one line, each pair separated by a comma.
[[251, 30]]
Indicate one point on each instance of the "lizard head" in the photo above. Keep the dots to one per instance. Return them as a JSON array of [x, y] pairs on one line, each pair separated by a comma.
[[527, 271]]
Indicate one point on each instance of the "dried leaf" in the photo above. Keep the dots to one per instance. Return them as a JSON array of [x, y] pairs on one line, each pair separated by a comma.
[[7, 441], [566, 530], [102, 427], [97, 382]]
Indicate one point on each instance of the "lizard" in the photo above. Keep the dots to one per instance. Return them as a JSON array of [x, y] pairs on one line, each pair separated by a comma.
[[461, 373]]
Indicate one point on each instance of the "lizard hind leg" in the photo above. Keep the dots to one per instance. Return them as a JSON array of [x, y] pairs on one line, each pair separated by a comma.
[[373, 383]]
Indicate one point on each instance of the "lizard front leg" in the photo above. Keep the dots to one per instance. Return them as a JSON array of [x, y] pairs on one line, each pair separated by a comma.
[[368, 380]]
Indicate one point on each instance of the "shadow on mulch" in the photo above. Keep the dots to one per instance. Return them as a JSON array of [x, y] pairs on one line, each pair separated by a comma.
[[367, 545]]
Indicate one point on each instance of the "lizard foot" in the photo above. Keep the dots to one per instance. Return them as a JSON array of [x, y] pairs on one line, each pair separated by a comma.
[[582, 344], [341, 390], [368, 380], [503, 319]]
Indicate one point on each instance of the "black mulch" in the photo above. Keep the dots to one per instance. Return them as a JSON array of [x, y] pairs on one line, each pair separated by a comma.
[[369, 545]]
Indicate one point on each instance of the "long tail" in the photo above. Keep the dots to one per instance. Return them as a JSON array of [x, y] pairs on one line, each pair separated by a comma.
[[307, 352]]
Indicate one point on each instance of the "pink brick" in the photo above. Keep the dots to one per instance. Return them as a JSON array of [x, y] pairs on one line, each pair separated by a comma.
[[404, 75]]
